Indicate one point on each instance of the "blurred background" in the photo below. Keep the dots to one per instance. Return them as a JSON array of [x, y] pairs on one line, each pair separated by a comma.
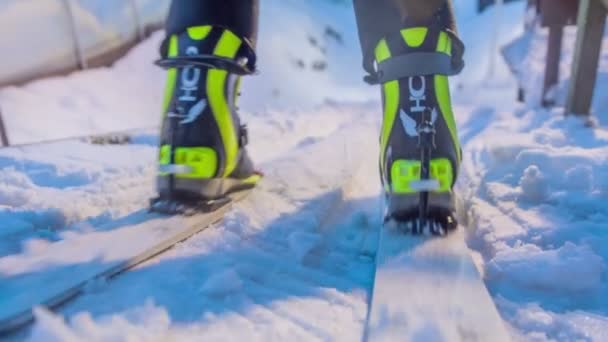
[[302, 43]]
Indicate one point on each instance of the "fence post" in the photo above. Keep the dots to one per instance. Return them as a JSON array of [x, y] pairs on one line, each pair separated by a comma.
[[554, 52], [3, 133], [78, 50], [591, 21], [531, 19]]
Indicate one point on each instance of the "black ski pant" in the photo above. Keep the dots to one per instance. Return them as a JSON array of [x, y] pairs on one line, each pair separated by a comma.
[[375, 18]]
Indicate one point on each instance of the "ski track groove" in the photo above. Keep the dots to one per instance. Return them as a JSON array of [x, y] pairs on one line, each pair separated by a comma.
[[276, 315], [336, 298], [323, 274], [287, 316], [295, 277], [301, 280]]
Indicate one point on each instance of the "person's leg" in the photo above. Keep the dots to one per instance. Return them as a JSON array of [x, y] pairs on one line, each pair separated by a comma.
[[410, 47], [239, 16], [381, 18], [208, 47]]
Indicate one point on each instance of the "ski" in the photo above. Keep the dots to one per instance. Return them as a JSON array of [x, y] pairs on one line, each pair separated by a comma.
[[110, 252], [426, 285], [429, 289]]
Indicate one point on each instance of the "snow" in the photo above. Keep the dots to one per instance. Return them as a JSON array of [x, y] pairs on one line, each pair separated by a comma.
[[570, 268], [536, 324], [146, 323], [222, 284], [534, 186], [237, 286], [232, 267], [482, 36]]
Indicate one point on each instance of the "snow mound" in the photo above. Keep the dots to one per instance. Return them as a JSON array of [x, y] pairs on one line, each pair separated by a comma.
[[570, 268], [303, 242], [274, 269], [536, 324], [534, 185], [222, 284], [146, 323]]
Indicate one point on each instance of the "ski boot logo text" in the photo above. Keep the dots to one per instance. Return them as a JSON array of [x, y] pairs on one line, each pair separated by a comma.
[[190, 79], [417, 99]]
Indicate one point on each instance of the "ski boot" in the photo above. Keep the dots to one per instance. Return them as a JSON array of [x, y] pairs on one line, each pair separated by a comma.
[[202, 155], [420, 151]]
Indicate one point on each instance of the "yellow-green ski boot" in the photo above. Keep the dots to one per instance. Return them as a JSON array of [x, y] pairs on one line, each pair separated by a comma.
[[202, 154], [420, 151]]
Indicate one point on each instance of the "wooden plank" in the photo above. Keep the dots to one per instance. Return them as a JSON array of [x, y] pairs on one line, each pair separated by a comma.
[[558, 12], [554, 52], [591, 21]]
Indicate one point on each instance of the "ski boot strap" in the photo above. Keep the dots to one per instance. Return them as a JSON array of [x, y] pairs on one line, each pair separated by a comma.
[[243, 64], [243, 136], [420, 63]]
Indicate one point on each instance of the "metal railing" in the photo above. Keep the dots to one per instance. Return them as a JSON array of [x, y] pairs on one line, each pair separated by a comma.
[[3, 134], [72, 49], [94, 52], [79, 49]]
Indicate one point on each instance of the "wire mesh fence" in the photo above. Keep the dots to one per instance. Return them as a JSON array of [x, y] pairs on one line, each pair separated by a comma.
[[54, 37]]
